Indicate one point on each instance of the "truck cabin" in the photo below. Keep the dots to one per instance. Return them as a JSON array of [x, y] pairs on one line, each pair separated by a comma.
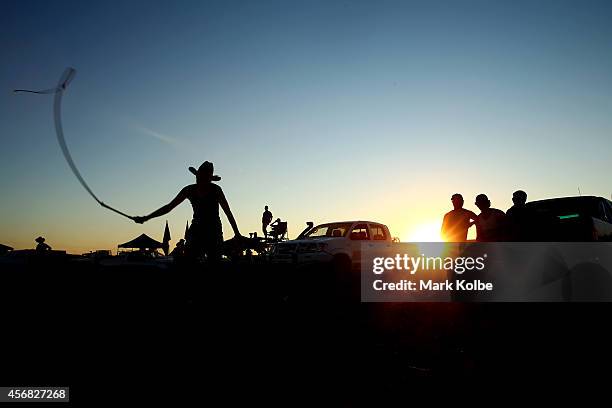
[[356, 231]]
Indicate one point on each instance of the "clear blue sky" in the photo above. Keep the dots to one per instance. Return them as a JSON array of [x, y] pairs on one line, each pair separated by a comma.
[[323, 110]]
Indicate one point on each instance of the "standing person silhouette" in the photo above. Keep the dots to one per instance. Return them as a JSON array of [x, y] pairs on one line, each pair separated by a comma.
[[457, 221], [205, 234], [491, 222], [266, 219], [519, 217]]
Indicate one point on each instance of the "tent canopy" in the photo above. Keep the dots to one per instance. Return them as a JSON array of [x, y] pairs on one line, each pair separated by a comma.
[[5, 248], [142, 242]]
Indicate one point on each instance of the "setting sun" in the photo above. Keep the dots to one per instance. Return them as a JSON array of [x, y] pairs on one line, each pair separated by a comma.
[[428, 232]]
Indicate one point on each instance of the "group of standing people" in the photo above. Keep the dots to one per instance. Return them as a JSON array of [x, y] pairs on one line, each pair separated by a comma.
[[491, 224]]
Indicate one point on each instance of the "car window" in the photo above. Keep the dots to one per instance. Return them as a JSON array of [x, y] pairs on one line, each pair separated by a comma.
[[360, 233], [329, 230], [378, 232], [602, 212], [608, 209]]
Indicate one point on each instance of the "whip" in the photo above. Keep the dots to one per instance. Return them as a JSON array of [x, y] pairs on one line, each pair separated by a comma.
[[65, 79]]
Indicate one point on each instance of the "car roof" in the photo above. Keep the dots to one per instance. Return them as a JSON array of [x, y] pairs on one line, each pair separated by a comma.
[[350, 222], [585, 197], [572, 198]]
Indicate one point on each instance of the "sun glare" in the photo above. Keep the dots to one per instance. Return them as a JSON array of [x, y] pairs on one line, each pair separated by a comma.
[[429, 232]]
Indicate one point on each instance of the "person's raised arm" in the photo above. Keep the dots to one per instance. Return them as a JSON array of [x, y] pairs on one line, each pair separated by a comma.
[[228, 212], [180, 197]]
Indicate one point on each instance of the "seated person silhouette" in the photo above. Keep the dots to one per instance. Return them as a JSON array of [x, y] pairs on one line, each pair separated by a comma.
[[179, 249], [42, 247], [457, 221], [491, 222], [278, 229]]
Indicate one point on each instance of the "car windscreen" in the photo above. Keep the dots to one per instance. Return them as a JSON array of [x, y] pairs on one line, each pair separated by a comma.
[[335, 230]]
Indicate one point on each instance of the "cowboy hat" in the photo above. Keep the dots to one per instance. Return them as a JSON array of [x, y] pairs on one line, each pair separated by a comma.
[[205, 170]]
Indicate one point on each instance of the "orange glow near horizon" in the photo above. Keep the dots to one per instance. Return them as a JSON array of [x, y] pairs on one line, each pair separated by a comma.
[[426, 232]]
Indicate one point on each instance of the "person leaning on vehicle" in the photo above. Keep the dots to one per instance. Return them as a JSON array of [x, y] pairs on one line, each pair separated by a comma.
[[519, 218]]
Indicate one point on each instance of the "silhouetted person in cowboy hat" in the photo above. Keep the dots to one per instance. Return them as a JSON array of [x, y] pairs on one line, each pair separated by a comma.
[[457, 221], [205, 233], [266, 219], [491, 222], [42, 247]]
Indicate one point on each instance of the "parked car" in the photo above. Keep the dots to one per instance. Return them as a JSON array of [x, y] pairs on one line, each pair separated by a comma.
[[573, 219], [335, 242]]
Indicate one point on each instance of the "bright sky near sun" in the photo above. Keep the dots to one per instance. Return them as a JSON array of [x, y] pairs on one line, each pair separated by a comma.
[[323, 110]]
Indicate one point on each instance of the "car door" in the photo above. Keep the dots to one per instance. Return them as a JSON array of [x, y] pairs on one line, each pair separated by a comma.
[[379, 236], [358, 236]]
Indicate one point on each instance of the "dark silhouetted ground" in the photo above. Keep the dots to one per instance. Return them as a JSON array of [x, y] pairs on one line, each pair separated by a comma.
[[254, 328]]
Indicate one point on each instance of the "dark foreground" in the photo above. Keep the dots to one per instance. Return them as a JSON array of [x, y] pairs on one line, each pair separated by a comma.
[[256, 331]]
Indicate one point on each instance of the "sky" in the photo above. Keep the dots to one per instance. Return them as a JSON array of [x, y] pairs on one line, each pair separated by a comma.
[[323, 110]]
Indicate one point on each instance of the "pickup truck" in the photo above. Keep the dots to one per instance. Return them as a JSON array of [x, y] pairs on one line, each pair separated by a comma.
[[573, 219], [337, 243]]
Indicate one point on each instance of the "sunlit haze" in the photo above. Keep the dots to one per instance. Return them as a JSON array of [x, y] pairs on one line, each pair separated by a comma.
[[323, 110], [427, 232]]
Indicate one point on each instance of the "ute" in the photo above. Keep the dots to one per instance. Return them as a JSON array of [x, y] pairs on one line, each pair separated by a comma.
[[337, 243], [573, 219]]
